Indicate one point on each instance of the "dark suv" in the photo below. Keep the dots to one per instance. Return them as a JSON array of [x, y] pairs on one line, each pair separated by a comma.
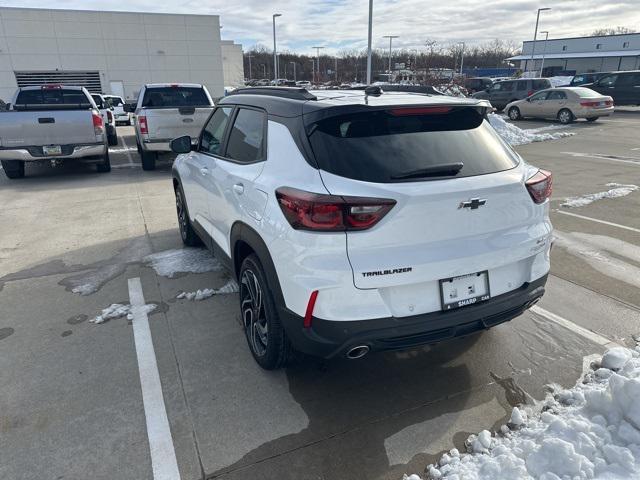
[[502, 93], [477, 84], [584, 78], [624, 87]]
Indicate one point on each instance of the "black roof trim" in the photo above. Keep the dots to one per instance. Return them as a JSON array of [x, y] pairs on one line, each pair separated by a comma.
[[293, 93]]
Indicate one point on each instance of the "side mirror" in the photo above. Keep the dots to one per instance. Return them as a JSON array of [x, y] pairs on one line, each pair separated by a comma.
[[181, 144], [528, 99], [129, 108]]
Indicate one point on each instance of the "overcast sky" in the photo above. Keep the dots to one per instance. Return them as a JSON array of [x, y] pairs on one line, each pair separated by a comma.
[[340, 24]]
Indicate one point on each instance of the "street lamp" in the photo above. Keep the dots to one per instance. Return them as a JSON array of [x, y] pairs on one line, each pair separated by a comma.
[[250, 73], [461, 58], [275, 55], [390, 37], [294, 70], [369, 42], [318, 59], [544, 52], [535, 34]]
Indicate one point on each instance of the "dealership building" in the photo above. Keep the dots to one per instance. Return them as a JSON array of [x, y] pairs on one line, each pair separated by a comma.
[[581, 54], [113, 52]]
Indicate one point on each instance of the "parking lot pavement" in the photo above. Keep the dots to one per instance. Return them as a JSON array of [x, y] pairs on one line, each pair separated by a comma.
[[72, 402]]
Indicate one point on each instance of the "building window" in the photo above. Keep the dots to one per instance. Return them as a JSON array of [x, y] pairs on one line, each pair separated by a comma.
[[598, 46], [625, 45], [564, 48]]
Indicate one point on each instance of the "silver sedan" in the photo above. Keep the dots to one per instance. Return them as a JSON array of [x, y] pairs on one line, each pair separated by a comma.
[[565, 104]]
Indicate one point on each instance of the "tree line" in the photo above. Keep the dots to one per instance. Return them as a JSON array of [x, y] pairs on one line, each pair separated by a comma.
[[351, 65]]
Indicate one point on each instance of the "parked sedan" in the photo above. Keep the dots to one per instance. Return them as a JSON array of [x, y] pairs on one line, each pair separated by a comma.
[[564, 103]]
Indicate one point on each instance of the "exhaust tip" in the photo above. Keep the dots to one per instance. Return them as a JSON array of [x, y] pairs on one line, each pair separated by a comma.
[[357, 352]]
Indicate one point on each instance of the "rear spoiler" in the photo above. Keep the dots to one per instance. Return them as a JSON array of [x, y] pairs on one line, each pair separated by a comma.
[[34, 107]]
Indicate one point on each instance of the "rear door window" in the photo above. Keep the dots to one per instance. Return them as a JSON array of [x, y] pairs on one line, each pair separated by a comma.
[[608, 81], [212, 136], [540, 84], [557, 96], [246, 139], [170, 97], [382, 145], [521, 85]]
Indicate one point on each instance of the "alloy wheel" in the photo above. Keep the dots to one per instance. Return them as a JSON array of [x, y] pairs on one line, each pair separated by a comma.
[[253, 313]]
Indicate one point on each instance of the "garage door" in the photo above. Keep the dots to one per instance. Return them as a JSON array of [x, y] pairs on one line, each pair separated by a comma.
[[89, 80]]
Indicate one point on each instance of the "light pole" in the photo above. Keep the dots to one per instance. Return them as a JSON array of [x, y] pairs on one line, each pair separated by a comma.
[[318, 60], [264, 71], [390, 37], [544, 51], [369, 42], [313, 71], [535, 34], [275, 55], [294, 70], [461, 58], [336, 68], [250, 73]]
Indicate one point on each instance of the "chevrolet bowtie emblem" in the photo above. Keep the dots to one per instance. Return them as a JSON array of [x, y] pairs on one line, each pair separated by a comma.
[[473, 204]]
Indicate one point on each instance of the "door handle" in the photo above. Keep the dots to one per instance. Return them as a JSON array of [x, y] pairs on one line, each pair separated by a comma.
[[204, 171], [238, 188]]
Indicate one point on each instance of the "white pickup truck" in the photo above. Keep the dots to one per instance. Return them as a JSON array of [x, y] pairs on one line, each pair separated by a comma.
[[165, 111], [52, 123], [106, 110]]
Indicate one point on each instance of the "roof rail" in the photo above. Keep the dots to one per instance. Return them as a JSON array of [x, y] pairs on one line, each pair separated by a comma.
[[294, 93]]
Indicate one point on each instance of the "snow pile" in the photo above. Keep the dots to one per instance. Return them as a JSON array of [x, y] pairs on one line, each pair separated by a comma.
[[616, 190], [230, 287], [517, 136], [453, 90], [117, 310], [183, 260], [591, 431]]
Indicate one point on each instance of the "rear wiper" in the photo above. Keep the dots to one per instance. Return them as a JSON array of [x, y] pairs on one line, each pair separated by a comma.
[[439, 170]]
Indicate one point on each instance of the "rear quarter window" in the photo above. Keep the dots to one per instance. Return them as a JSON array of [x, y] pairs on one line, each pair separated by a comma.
[[169, 97], [382, 145], [52, 97]]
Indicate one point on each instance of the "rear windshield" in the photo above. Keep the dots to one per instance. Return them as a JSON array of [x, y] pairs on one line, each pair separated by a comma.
[[383, 145], [586, 92], [54, 96], [167, 97], [114, 101], [98, 100]]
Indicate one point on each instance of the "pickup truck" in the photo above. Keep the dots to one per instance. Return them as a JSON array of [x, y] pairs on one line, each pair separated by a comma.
[[52, 123], [165, 111], [106, 111], [117, 103]]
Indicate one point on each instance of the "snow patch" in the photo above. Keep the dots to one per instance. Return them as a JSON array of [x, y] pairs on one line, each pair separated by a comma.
[[560, 81], [183, 260], [230, 287], [616, 190], [117, 310], [591, 431], [514, 135]]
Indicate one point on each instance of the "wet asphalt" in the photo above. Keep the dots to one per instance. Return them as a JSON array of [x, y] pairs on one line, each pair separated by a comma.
[[71, 403]]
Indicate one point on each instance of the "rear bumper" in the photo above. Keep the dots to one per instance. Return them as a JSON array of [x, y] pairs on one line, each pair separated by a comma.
[[594, 112], [328, 338], [161, 145], [34, 153]]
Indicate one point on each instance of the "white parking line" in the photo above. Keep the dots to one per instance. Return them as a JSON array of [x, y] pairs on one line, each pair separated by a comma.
[[163, 455], [568, 324], [604, 222], [589, 156], [124, 143]]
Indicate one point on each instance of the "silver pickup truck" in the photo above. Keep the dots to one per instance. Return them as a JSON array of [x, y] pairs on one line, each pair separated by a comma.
[[165, 111], [52, 123]]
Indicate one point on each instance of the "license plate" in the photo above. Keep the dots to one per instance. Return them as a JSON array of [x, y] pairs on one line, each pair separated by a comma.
[[465, 290], [52, 150]]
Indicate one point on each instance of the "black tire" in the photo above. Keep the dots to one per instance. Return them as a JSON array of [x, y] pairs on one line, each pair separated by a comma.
[[187, 233], [138, 147], [112, 136], [148, 160], [565, 116], [128, 123], [266, 337], [13, 168], [514, 113], [592, 119], [105, 165]]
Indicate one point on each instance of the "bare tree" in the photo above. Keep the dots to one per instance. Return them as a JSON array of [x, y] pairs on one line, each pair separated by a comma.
[[610, 31]]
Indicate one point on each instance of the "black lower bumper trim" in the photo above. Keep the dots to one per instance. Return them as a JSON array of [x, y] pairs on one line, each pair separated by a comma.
[[329, 338]]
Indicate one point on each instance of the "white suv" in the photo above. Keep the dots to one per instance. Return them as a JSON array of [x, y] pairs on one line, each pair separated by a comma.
[[363, 220]]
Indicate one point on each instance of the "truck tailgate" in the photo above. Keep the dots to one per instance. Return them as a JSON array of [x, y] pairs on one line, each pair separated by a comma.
[[170, 123], [31, 128]]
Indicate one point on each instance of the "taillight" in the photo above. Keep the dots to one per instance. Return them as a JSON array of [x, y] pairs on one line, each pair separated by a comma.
[[331, 213], [308, 315], [142, 121], [109, 116], [98, 125], [590, 104], [540, 186]]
